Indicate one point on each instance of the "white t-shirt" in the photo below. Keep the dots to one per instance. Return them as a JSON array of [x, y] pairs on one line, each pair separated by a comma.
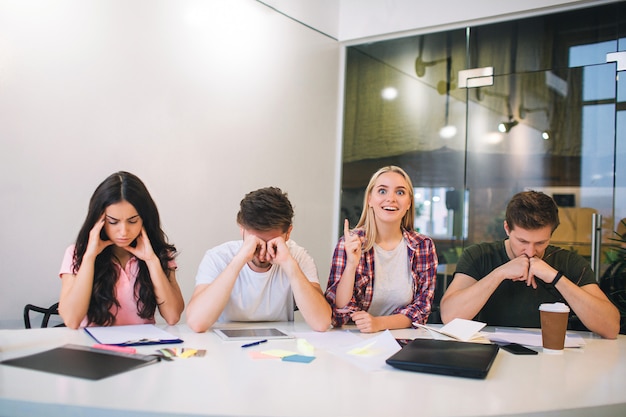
[[393, 285], [256, 296]]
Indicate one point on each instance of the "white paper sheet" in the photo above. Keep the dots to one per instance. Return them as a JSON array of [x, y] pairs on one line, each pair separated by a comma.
[[459, 329], [366, 352], [370, 354], [531, 337], [331, 339]]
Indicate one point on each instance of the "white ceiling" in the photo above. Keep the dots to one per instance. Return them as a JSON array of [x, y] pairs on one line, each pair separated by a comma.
[[354, 21]]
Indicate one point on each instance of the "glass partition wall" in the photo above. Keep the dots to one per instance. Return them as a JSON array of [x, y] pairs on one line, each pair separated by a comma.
[[545, 111]]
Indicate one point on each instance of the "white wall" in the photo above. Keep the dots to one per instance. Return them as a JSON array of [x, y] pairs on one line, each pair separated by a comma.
[[204, 100]]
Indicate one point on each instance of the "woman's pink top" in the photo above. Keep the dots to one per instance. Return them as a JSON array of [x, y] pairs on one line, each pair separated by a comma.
[[127, 313]]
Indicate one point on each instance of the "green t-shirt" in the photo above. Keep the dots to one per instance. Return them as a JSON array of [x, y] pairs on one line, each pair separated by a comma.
[[513, 303]]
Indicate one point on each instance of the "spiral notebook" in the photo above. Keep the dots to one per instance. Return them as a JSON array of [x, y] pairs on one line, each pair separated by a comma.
[[82, 362]]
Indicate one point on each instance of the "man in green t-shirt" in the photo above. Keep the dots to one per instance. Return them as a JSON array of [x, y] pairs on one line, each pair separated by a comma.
[[503, 283]]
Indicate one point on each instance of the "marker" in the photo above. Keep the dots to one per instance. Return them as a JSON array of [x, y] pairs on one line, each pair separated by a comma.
[[254, 343], [114, 348]]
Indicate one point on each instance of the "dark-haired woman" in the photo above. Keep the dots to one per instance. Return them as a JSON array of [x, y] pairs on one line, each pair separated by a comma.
[[121, 268]]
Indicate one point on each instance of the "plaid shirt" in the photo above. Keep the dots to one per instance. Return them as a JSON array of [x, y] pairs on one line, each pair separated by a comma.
[[423, 261]]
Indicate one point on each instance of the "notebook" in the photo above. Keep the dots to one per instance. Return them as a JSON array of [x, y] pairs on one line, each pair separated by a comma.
[[446, 357], [82, 361]]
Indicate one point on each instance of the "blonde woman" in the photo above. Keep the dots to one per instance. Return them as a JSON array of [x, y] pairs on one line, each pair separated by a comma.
[[383, 272]]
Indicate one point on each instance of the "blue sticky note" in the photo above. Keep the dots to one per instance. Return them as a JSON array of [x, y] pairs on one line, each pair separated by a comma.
[[299, 358]]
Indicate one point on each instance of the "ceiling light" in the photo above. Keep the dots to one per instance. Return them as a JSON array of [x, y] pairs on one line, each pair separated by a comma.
[[547, 134], [447, 132], [505, 127], [389, 93]]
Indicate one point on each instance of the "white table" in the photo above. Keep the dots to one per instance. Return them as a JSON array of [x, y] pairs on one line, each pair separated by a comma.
[[226, 382]]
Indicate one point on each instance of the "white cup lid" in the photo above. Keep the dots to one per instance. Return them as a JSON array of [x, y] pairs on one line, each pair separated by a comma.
[[554, 307]]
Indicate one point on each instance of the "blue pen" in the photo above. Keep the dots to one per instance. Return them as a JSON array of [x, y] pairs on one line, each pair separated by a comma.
[[254, 343]]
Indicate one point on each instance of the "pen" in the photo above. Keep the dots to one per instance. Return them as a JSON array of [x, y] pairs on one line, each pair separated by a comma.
[[254, 343]]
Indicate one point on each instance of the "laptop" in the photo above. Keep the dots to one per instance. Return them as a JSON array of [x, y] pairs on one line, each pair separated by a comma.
[[82, 361], [446, 357]]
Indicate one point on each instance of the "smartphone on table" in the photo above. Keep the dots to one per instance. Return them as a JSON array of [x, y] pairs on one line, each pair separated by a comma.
[[517, 349]]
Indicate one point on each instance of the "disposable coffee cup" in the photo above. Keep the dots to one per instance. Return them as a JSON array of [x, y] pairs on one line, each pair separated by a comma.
[[553, 326]]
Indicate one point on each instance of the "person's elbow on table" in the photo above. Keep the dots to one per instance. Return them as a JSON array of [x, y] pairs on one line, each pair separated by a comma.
[[197, 324], [321, 325]]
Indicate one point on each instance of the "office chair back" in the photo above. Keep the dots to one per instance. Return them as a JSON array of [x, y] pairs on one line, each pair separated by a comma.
[[47, 312]]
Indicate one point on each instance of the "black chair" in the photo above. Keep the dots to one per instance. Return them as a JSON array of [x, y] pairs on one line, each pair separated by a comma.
[[53, 310]]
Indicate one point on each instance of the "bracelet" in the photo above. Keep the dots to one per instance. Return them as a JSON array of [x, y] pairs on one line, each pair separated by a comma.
[[556, 279]]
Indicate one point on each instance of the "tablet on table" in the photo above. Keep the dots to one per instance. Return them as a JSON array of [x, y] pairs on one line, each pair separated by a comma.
[[248, 334]]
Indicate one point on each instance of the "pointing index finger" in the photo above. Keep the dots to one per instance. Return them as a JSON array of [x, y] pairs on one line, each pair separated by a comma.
[[346, 228]]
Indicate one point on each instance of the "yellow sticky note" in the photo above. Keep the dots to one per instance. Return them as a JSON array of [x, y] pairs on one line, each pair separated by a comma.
[[363, 350], [305, 347], [279, 353], [187, 353]]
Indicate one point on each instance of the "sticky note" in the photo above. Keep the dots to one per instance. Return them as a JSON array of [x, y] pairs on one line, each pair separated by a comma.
[[255, 354], [168, 352], [363, 350], [305, 347], [279, 353], [298, 358], [182, 353], [186, 353]]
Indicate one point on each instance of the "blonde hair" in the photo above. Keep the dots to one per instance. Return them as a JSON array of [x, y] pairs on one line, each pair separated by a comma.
[[367, 220]]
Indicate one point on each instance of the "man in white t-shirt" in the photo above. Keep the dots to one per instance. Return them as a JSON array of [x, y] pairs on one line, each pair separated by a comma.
[[262, 277]]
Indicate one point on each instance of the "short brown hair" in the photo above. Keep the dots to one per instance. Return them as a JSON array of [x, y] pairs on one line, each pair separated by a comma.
[[532, 210], [265, 209]]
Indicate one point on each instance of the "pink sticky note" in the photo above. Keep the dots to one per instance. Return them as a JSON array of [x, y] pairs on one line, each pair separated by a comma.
[[255, 354]]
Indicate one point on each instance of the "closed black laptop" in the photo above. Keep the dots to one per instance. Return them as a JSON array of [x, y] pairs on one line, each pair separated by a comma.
[[446, 357]]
